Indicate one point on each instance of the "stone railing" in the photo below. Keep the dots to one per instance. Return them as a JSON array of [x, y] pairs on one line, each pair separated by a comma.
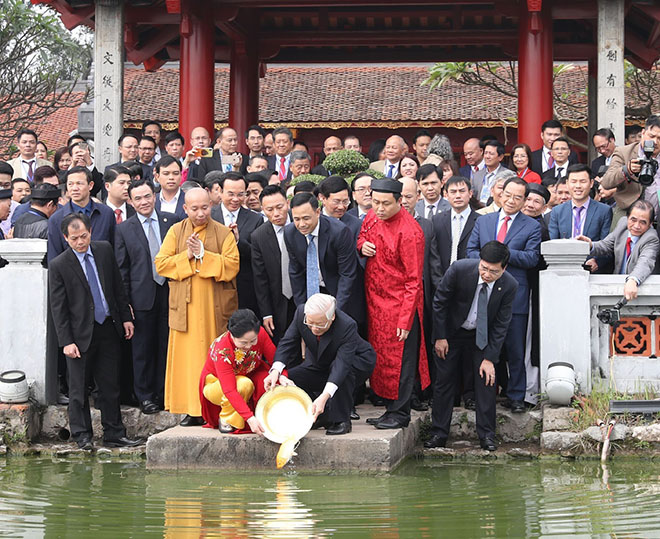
[[624, 358]]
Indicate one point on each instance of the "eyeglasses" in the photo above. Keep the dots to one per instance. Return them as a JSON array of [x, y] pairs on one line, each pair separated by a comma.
[[344, 203], [316, 326], [235, 195], [490, 271], [362, 189]]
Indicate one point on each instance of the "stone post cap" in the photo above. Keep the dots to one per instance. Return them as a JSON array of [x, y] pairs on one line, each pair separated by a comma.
[[23, 251], [565, 254]]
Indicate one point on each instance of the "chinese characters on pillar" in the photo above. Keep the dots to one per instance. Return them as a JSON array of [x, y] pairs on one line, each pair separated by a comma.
[[611, 99]]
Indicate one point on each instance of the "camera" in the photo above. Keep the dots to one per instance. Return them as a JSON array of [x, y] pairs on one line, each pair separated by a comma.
[[649, 165], [613, 315], [203, 152]]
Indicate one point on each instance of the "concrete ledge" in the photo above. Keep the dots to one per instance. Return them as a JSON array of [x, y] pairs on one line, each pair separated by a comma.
[[364, 449]]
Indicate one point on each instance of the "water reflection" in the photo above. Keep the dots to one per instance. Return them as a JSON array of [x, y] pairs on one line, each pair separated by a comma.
[[87, 498]]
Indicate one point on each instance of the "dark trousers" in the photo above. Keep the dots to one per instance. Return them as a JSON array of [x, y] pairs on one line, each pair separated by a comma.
[[399, 409], [149, 346], [513, 355], [462, 349], [99, 363]]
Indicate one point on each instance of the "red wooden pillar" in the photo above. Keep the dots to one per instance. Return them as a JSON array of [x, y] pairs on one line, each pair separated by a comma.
[[243, 87], [534, 70], [197, 69]]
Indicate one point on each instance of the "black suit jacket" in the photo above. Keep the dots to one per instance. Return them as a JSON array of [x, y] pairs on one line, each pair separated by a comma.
[[179, 211], [442, 228], [272, 165], [134, 259], [209, 164], [320, 170], [430, 259], [247, 221], [71, 300], [537, 160], [453, 300], [267, 277], [339, 349], [597, 163], [337, 260]]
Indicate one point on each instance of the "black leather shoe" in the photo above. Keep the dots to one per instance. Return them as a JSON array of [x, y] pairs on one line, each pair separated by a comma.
[[354, 415], [470, 404], [122, 442], [391, 423], [435, 441], [375, 420], [191, 421], [418, 405], [488, 444], [377, 401], [85, 444], [343, 427], [517, 407], [149, 407]]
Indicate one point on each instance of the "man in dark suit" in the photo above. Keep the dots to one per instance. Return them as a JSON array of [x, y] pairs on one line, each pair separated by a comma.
[[560, 151], [90, 314], [603, 141], [330, 145], [137, 241], [270, 264], [474, 158], [79, 183], [226, 158], [117, 179], [522, 235], [471, 317], [335, 195], [322, 256], [283, 144], [542, 160], [167, 173], [337, 360], [243, 222], [581, 215]]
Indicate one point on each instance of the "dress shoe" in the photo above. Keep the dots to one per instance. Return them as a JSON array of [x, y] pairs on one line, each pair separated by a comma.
[[85, 444], [391, 423], [122, 442], [354, 415], [377, 401], [470, 404], [225, 428], [375, 420], [488, 444], [435, 441], [344, 427], [191, 421], [62, 399], [319, 424], [517, 407], [149, 407], [418, 405]]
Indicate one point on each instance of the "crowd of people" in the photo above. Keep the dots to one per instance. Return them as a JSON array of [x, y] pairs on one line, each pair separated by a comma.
[[194, 281]]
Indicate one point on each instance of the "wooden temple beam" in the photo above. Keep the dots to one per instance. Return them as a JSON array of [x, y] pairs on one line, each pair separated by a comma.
[[222, 53], [154, 44], [349, 3], [70, 17], [640, 54]]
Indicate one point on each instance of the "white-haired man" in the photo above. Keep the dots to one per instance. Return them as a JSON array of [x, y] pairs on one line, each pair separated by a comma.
[[336, 360]]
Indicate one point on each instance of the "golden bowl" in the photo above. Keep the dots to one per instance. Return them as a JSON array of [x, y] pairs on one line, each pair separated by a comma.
[[285, 413]]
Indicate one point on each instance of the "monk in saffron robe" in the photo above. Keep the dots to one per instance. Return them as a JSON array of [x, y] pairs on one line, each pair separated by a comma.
[[200, 258], [393, 243]]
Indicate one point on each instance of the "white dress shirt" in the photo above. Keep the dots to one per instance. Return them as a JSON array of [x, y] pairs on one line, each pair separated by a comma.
[[471, 320], [172, 204], [122, 208]]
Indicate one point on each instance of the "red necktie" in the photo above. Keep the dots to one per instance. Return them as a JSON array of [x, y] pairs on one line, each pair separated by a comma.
[[503, 229], [476, 169], [118, 218], [551, 162], [30, 173], [628, 247], [282, 169]]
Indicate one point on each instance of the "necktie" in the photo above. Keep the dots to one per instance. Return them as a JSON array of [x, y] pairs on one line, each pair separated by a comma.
[[154, 247], [503, 229], [99, 311], [482, 317], [282, 170], [312, 268], [30, 172], [362, 216], [551, 161], [627, 257], [284, 263], [118, 217], [430, 212], [390, 171], [628, 247], [456, 229], [232, 219], [577, 221], [559, 172]]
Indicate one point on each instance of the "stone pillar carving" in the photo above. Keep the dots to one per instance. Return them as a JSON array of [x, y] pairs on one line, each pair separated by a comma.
[[564, 309], [23, 289], [108, 81]]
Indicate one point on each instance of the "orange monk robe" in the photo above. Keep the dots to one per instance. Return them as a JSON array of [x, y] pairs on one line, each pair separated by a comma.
[[202, 298]]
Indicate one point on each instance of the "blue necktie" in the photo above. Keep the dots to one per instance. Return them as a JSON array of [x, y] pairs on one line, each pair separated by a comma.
[[99, 311], [312, 268], [390, 172], [482, 317]]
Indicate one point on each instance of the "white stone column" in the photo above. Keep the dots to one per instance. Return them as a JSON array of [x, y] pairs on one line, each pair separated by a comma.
[[23, 289], [611, 98], [565, 328], [108, 81]]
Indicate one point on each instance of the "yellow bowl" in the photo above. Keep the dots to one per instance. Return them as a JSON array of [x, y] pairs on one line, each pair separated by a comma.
[[285, 413]]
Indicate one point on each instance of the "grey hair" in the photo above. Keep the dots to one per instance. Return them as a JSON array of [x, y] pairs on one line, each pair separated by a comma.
[[321, 304], [297, 155], [441, 146], [504, 174]]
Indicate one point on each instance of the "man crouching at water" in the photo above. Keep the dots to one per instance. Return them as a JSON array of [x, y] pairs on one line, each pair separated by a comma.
[[337, 359]]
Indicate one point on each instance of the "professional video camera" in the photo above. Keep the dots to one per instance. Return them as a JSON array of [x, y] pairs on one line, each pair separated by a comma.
[[613, 315], [649, 165]]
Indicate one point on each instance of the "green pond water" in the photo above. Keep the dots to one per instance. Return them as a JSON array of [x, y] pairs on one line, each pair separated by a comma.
[[429, 498]]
